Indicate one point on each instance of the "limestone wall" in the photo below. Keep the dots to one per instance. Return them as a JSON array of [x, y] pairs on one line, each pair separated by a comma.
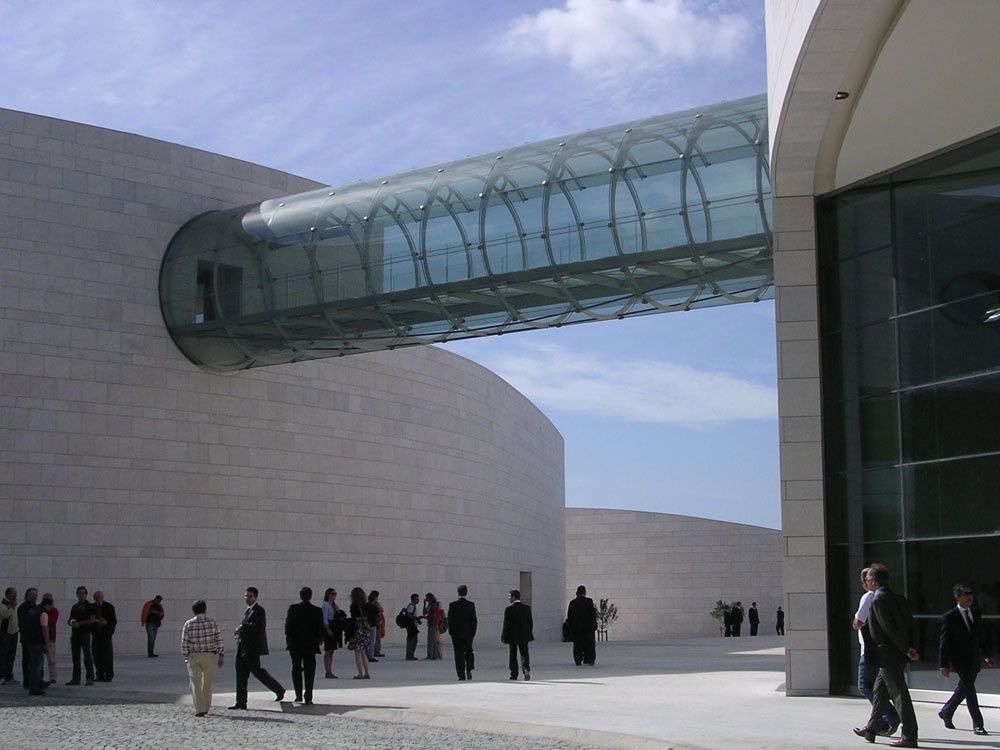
[[125, 468]]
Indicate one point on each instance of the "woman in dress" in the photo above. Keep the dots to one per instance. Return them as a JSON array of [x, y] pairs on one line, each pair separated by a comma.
[[358, 642], [332, 633], [433, 614]]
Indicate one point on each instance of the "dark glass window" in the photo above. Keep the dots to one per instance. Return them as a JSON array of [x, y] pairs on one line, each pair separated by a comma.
[[910, 315]]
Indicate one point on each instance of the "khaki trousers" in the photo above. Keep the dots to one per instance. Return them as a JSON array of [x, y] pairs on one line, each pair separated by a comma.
[[201, 668], [50, 654]]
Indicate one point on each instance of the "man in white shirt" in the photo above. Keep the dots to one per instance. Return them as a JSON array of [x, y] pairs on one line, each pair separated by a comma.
[[867, 672]]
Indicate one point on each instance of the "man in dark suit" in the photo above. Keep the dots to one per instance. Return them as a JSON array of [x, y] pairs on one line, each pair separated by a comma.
[[961, 652], [737, 619], [303, 634], [894, 636], [251, 644], [462, 625], [581, 617], [753, 617], [517, 633], [101, 643]]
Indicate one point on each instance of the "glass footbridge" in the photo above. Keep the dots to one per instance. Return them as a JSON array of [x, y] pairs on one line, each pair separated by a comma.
[[658, 215]]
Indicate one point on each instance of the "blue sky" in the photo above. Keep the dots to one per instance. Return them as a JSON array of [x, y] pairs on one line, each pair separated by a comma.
[[674, 413]]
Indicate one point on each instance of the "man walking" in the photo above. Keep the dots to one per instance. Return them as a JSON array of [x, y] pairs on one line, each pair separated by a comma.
[[81, 620], [303, 634], [105, 622], [753, 617], [462, 625], [779, 621], [151, 618], [251, 644], [201, 645], [961, 652], [517, 634], [867, 666], [412, 629], [581, 616], [893, 636]]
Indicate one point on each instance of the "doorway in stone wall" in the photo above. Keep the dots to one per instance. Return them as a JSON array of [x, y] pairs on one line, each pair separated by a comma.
[[525, 586]]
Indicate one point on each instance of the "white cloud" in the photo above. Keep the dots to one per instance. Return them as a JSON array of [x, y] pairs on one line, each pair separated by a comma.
[[606, 38], [633, 390]]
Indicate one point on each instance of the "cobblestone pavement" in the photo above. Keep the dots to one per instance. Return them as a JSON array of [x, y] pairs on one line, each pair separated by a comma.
[[54, 722]]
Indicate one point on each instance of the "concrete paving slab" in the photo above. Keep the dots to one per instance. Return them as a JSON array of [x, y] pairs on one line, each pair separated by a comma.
[[690, 694]]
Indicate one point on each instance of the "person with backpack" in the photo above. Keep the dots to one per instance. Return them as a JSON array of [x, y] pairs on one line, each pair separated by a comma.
[[409, 619]]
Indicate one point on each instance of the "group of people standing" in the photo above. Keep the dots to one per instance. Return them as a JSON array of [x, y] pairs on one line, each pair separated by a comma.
[[92, 625], [733, 617], [888, 638]]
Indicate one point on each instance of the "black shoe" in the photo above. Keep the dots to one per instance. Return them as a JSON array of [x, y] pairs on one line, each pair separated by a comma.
[[462, 679], [904, 743], [889, 730], [980, 731], [513, 677], [947, 722], [73, 682], [154, 656], [281, 697], [412, 658], [42, 692], [298, 699], [527, 676], [309, 701], [864, 732], [201, 713], [237, 707], [468, 675], [373, 660]]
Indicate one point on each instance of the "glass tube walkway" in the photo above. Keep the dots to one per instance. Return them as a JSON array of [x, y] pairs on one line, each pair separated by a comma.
[[663, 214]]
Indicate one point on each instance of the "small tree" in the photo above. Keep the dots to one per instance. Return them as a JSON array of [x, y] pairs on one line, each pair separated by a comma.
[[607, 613], [719, 612]]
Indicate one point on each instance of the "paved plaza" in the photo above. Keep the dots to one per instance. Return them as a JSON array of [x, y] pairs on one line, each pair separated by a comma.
[[688, 694]]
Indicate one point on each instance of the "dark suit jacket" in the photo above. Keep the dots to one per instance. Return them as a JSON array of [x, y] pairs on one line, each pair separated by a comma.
[[961, 649], [581, 615], [462, 620], [304, 628], [753, 615], [253, 633], [892, 629], [107, 611], [517, 625]]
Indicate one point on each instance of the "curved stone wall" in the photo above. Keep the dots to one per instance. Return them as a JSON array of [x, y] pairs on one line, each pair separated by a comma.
[[665, 572], [125, 468]]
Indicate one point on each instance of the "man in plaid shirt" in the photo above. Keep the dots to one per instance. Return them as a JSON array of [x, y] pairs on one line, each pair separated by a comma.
[[201, 644]]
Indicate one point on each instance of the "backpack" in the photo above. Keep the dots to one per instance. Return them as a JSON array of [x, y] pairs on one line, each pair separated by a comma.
[[443, 625], [402, 619]]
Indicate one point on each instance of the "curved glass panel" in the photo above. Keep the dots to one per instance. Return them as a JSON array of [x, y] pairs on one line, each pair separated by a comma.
[[661, 214]]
